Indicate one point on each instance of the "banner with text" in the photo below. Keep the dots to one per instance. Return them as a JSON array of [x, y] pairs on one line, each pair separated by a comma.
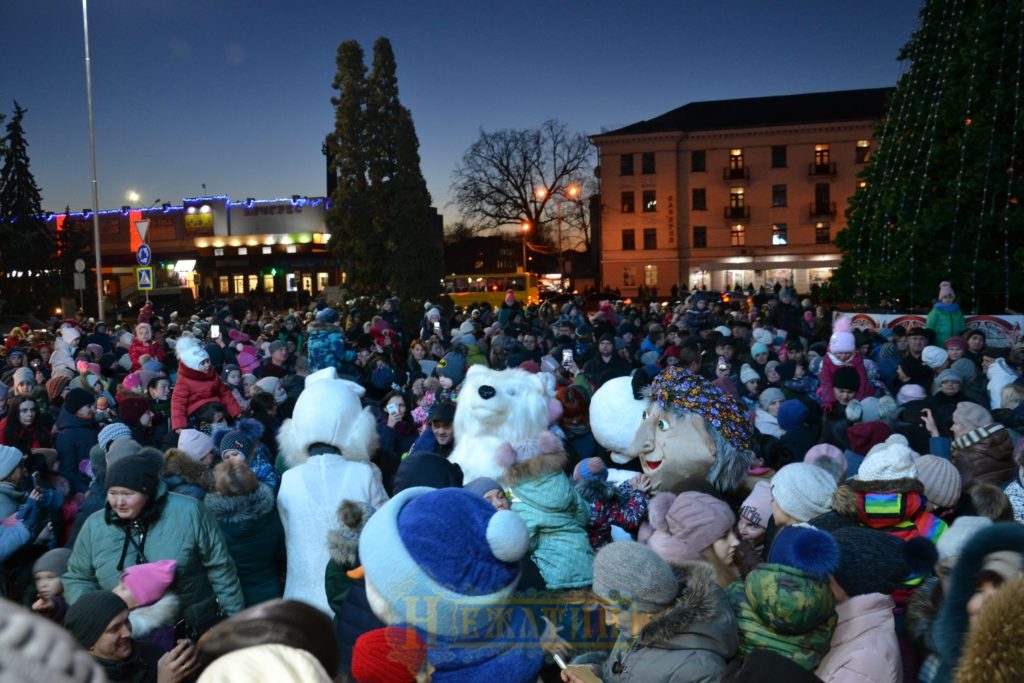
[[1000, 330]]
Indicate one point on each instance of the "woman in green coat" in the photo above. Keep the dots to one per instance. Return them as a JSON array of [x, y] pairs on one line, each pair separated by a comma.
[[141, 522]]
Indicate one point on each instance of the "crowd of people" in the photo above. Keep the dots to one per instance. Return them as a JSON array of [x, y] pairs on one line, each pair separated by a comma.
[[183, 498]]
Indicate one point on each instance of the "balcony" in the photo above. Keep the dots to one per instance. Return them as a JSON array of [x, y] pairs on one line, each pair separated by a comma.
[[742, 173], [822, 170], [736, 213], [822, 209]]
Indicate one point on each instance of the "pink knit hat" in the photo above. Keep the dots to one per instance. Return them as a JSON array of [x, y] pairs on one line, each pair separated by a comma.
[[686, 524], [757, 508], [945, 288], [149, 582], [842, 340], [825, 451], [194, 443]]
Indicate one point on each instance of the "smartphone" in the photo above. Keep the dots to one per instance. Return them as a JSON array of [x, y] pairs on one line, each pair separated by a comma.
[[392, 408], [566, 357], [214, 331], [437, 328], [35, 480], [182, 631]]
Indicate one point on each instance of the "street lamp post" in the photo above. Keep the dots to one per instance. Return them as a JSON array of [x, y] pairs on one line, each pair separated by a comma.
[[526, 229], [92, 155]]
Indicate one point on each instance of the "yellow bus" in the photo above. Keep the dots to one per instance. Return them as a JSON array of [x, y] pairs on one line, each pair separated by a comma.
[[477, 288]]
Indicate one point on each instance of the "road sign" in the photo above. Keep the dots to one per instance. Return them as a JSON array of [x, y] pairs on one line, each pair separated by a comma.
[[79, 265], [143, 254], [144, 277], [79, 280], [142, 227]]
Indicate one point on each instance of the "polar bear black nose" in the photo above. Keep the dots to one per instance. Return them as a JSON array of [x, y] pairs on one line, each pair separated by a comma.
[[486, 392]]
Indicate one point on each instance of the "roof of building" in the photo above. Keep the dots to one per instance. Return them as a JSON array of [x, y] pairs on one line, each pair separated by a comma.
[[755, 112]]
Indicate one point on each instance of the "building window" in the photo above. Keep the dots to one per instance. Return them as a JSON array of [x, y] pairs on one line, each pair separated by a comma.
[[650, 201], [779, 238], [736, 159], [625, 164], [650, 238], [628, 202], [268, 283], [821, 235], [700, 237], [698, 161], [647, 166], [243, 251], [821, 156], [650, 276], [628, 240], [778, 195], [739, 236], [222, 284], [863, 149], [629, 276], [321, 281], [736, 198], [254, 282], [239, 283], [699, 199], [778, 156]]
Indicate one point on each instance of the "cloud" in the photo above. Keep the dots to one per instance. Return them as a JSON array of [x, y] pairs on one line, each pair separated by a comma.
[[179, 48], [234, 53]]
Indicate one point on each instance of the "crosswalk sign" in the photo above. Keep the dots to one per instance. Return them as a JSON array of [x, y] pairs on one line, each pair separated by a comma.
[[144, 277]]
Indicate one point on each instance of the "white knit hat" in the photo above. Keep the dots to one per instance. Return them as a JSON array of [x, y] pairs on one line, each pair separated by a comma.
[[190, 353], [748, 374], [803, 491], [888, 461], [763, 336], [951, 543], [69, 333], [934, 356]]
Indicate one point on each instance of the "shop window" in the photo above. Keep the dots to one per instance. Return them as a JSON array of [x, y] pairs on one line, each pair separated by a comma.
[[290, 283], [254, 283], [321, 281], [239, 283], [222, 285], [268, 283]]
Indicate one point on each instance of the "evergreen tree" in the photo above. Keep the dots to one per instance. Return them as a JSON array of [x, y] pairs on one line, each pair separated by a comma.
[[27, 246], [381, 207], [940, 196]]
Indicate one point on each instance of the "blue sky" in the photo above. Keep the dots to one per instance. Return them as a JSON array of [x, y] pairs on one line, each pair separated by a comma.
[[236, 94]]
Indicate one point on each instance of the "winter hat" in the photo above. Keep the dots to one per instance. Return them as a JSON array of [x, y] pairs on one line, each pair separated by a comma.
[[757, 508], [328, 315], [77, 399], [792, 414], [388, 655], [442, 411], [90, 615], [845, 377], [748, 374], [761, 336], [266, 663], [956, 343], [237, 441], [686, 524], [153, 365], [149, 582], [863, 411], [770, 396], [945, 288], [36, 649], [132, 408], [889, 461], [626, 572], [934, 356], [482, 485], [276, 346], [590, 468], [803, 491], [970, 416], [10, 458], [23, 375], [190, 353], [195, 443], [830, 458], [873, 561], [69, 334], [842, 340], [810, 550], [912, 392], [724, 331], [941, 480], [146, 376], [948, 375], [54, 561], [452, 366], [136, 472], [446, 543], [758, 348], [131, 381], [951, 543], [121, 448], [866, 435]]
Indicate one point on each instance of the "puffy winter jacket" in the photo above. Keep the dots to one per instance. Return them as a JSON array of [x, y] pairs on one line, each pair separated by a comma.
[[75, 437], [195, 389], [864, 647]]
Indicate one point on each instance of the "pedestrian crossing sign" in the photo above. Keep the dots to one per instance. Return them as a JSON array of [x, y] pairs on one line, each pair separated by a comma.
[[144, 277]]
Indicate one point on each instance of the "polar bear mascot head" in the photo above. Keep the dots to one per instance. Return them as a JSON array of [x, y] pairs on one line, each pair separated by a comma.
[[328, 412], [496, 408]]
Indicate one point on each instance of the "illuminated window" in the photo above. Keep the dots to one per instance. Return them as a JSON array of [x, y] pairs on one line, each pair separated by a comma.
[[821, 233], [629, 276], [268, 283], [218, 252], [268, 250], [222, 284], [650, 201], [651, 276], [736, 159], [239, 283], [779, 237], [863, 150], [290, 284], [739, 236], [628, 202], [736, 198], [243, 251], [821, 155], [321, 281], [254, 283]]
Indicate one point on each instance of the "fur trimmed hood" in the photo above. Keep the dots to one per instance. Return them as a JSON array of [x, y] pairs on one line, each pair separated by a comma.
[[694, 604], [597, 490], [343, 542], [180, 464], [845, 500], [534, 468], [163, 612], [994, 648], [250, 507]]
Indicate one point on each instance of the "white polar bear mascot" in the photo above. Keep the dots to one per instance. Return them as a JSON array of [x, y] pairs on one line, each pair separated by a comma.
[[327, 445], [496, 408]]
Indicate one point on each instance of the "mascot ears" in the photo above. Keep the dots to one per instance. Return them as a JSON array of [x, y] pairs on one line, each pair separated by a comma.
[[544, 443]]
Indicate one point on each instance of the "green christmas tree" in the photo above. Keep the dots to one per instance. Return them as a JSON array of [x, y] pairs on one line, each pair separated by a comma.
[[940, 198]]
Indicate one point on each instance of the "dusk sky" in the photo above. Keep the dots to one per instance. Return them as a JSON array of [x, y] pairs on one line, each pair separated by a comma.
[[236, 94]]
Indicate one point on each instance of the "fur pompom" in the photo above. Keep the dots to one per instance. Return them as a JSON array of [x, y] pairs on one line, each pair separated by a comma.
[[920, 555], [842, 324], [549, 443], [658, 507], [555, 410], [505, 456], [810, 550]]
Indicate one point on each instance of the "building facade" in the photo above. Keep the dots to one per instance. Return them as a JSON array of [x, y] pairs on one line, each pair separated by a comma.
[[733, 192]]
